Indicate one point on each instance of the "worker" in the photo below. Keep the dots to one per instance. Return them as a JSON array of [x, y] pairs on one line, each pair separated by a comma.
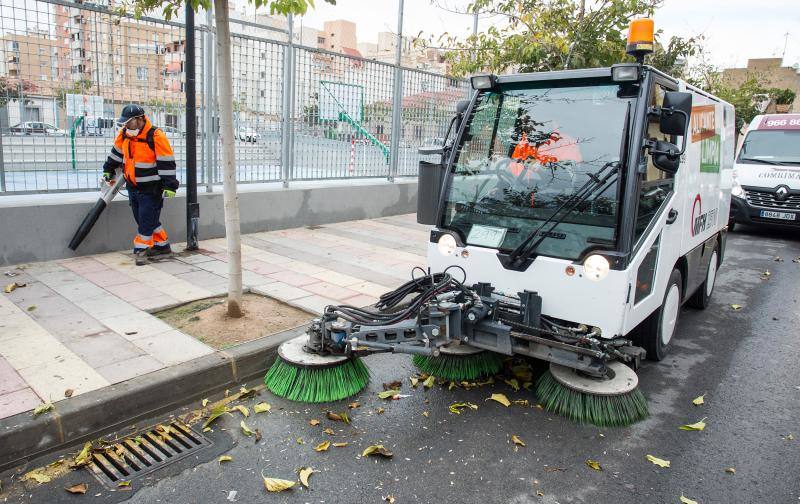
[[148, 165]]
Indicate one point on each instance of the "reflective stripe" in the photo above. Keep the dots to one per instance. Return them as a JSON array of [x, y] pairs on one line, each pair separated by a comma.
[[114, 157], [116, 151], [165, 158], [162, 243], [151, 178], [167, 172], [144, 165], [144, 238], [157, 230]]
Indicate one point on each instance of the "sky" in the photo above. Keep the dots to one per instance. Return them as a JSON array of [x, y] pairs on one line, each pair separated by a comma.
[[734, 30]]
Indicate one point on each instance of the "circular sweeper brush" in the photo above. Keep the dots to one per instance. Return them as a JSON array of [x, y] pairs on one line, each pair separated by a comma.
[[302, 376], [460, 362], [611, 401]]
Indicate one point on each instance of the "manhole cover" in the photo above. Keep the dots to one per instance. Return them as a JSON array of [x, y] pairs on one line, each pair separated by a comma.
[[145, 452]]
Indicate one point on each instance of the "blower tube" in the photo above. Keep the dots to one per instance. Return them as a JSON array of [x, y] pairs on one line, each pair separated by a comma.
[[102, 202]]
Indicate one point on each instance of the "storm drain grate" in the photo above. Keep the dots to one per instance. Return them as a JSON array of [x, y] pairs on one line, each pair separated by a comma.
[[148, 451]]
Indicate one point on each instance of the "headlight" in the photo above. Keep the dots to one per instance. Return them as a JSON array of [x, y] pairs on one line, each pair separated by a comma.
[[736, 190], [596, 267], [446, 244]]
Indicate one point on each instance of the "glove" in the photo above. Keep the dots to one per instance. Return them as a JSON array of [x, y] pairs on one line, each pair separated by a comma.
[[107, 176], [168, 194]]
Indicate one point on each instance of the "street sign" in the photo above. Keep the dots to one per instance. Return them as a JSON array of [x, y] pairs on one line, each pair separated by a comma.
[[84, 105]]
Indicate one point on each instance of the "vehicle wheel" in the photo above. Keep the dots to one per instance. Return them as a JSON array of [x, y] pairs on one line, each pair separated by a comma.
[[702, 297], [659, 327]]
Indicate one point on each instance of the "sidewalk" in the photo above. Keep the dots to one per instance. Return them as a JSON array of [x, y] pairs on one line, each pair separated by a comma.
[[86, 323]]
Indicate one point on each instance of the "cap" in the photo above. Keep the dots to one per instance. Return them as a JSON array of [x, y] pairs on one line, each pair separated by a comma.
[[129, 112]]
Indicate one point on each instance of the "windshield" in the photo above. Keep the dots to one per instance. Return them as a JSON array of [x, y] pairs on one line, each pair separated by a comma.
[[528, 149], [771, 146]]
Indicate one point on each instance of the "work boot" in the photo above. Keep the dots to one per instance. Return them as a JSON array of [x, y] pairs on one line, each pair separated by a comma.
[[140, 256], [157, 251]]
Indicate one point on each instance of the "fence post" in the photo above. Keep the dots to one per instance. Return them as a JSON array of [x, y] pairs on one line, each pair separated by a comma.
[[2, 163], [192, 206], [208, 101], [287, 133], [397, 99]]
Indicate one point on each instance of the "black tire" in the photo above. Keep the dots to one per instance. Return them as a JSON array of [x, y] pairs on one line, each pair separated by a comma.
[[702, 296], [651, 330]]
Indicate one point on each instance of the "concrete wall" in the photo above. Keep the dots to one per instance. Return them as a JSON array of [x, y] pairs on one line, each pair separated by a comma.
[[38, 228]]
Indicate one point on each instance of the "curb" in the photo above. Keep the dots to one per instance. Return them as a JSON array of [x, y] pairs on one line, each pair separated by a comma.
[[90, 415]]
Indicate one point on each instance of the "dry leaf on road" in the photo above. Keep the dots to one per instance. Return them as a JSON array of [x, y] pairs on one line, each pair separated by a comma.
[[313, 422], [277, 485], [340, 445], [457, 408], [657, 461], [376, 450], [224, 458], [68, 392], [697, 401], [262, 407], [354, 405], [697, 426], [736, 307], [323, 446], [42, 408], [513, 383], [687, 500], [338, 417], [243, 410], [388, 394], [80, 488], [85, 456], [245, 429], [328, 431], [501, 398], [305, 473], [517, 441], [730, 470], [429, 381], [216, 412], [594, 465]]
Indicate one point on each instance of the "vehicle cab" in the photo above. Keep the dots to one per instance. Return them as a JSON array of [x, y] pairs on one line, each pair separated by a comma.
[[766, 183]]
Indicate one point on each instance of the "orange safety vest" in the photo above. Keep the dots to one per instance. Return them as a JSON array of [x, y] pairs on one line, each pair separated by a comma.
[[142, 153]]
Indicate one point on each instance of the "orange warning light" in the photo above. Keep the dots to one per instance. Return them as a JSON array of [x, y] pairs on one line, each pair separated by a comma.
[[640, 37]]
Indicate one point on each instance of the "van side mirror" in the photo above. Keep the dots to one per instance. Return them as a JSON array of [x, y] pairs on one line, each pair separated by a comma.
[[666, 156], [675, 112], [455, 124]]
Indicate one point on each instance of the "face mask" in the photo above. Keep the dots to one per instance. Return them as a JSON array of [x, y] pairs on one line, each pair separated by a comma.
[[132, 132]]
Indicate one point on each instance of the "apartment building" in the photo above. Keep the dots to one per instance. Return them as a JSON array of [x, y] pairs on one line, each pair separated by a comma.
[[770, 74]]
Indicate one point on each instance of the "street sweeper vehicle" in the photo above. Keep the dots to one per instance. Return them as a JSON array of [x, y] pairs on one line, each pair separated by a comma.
[[573, 213]]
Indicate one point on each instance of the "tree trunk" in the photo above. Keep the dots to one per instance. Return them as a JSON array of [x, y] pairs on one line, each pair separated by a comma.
[[230, 197]]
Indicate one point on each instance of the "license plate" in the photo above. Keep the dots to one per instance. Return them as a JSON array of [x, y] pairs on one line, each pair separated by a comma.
[[486, 236], [778, 215]]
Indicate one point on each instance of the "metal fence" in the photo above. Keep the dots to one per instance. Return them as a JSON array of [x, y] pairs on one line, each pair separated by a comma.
[[300, 113]]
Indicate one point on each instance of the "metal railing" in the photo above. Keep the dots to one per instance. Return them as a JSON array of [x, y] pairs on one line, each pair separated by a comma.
[[300, 113]]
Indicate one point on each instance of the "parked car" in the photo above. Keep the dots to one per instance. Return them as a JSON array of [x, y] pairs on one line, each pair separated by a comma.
[[248, 135], [36, 128], [171, 131]]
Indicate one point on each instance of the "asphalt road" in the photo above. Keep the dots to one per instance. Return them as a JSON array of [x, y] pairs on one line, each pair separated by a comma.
[[745, 362]]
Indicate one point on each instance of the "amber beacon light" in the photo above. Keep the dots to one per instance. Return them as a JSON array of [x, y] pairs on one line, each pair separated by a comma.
[[640, 38]]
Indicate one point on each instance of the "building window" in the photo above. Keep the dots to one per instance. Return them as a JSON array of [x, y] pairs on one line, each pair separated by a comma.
[[320, 40], [141, 73], [263, 75]]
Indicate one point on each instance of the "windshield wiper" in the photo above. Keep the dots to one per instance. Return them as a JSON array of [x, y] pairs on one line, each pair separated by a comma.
[[759, 160], [597, 180]]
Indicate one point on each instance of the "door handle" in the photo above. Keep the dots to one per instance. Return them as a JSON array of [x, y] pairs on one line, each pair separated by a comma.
[[672, 216]]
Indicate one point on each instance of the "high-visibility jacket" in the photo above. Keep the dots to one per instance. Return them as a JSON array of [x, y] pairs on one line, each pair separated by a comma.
[[145, 168]]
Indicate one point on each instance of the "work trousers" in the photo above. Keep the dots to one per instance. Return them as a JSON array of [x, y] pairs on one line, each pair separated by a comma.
[[146, 208]]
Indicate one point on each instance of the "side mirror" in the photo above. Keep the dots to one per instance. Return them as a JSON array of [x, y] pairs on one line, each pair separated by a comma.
[[675, 112], [430, 150], [666, 156], [461, 109]]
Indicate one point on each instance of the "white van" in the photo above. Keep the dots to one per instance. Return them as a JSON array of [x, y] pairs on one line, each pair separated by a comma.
[[766, 179]]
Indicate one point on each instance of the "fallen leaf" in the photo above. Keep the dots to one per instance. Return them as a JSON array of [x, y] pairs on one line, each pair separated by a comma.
[[376, 450], [517, 441], [697, 426], [414, 381], [258, 435], [425, 414], [245, 393], [429, 381], [277, 485], [501, 398], [354, 405], [225, 458], [204, 403], [736, 307], [697, 401], [37, 475], [380, 410], [513, 383], [216, 412], [31, 307], [657, 461], [340, 445], [452, 385], [299, 441], [262, 407], [124, 484], [245, 429], [522, 402], [305, 473], [42, 408], [84, 456], [687, 500], [80, 488], [313, 422], [527, 385], [338, 417], [730, 470], [387, 394], [10, 287], [68, 392], [392, 385], [206, 429], [457, 408], [389, 498], [594, 465], [778, 259], [243, 410], [323, 446], [328, 431], [523, 372]]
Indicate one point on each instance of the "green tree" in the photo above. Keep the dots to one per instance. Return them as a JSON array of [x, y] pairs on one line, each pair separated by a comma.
[[11, 89], [744, 97], [81, 86], [782, 96], [172, 8]]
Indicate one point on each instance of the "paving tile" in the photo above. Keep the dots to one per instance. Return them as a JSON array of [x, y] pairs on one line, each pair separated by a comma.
[[71, 285], [125, 370], [173, 347], [50, 381], [75, 324], [303, 267], [362, 301], [370, 289], [105, 306], [107, 278], [83, 265], [41, 268], [132, 291], [104, 348], [292, 278], [262, 268], [330, 291], [335, 278], [313, 304], [10, 380], [203, 278], [280, 291], [250, 278], [195, 258], [156, 303], [216, 267], [139, 325], [18, 401], [173, 267]]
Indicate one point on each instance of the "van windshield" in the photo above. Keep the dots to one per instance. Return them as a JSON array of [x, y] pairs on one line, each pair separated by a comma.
[[527, 149], [771, 147]]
